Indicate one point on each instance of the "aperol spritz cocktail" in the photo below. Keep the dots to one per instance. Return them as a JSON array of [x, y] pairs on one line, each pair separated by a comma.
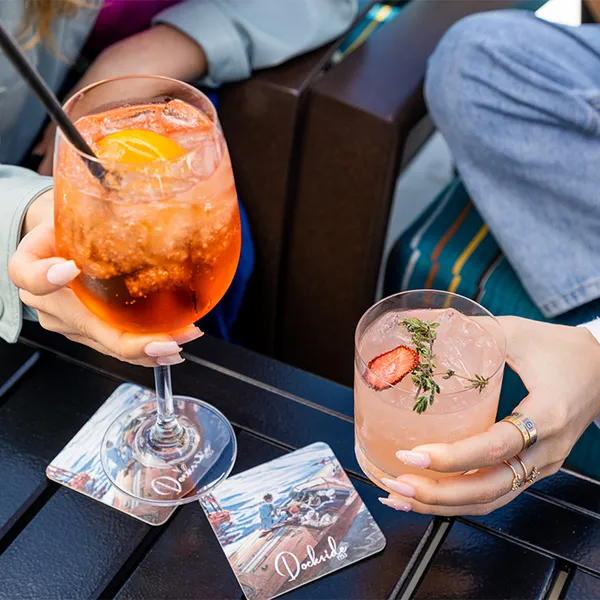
[[159, 247], [468, 358], [155, 229]]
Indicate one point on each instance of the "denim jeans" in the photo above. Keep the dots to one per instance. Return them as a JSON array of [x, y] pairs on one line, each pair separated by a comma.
[[518, 101]]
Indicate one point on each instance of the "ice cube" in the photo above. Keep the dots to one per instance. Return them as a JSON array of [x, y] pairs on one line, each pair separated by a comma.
[[152, 279], [191, 139], [178, 115]]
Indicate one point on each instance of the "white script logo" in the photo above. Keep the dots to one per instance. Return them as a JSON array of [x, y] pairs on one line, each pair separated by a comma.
[[288, 565], [164, 485]]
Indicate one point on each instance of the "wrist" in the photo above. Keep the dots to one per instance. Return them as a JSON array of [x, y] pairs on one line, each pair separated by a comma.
[[41, 210], [594, 328]]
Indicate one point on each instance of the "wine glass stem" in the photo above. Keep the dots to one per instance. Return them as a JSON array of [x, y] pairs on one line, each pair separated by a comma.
[[167, 431]]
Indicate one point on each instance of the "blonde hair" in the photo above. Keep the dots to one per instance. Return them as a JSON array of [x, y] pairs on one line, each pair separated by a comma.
[[40, 16]]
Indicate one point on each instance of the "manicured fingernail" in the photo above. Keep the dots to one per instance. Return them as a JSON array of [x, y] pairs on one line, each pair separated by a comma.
[[403, 506], [162, 348], [62, 273], [414, 459], [168, 361], [400, 487], [189, 334]]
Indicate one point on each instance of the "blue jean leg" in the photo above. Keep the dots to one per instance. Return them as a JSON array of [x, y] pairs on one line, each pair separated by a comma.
[[517, 99]]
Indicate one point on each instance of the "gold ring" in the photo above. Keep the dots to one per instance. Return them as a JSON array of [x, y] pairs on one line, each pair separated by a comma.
[[529, 425], [526, 429], [523, 466], [517, 481], [522, 430], [533, 475]]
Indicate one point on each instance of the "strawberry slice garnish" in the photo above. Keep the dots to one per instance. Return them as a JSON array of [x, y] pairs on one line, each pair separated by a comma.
[[391, 367]]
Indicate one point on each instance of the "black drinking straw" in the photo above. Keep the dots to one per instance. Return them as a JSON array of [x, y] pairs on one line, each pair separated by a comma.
[[49, 100]]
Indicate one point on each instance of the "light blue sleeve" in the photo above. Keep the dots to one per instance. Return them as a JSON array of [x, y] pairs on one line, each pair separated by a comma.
[[20, 187], [239, 36]]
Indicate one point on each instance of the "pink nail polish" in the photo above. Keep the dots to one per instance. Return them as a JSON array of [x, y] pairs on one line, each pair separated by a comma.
[[414, 459], [62, 273], [395, 504], [187, 335], [408, 491], [168, 361], [162, 348]]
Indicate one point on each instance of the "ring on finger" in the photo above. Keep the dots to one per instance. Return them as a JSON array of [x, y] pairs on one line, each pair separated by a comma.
[[532, 475], [529, 425], [526, 428], [517, 481]]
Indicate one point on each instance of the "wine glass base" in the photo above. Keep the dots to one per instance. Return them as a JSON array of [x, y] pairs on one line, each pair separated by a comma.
[[201, 459]]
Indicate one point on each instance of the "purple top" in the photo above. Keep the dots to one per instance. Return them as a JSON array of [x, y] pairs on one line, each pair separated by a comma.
[[119, 19]]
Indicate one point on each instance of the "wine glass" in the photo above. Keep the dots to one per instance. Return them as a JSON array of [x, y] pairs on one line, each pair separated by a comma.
[[158, 242]]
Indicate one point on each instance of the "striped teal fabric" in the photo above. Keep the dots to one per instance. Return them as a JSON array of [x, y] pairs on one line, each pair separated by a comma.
[[530, 4], [383, 12], [451, 248], [378, 15]]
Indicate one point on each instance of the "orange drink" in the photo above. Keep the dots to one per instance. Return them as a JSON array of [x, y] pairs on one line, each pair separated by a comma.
[[159, 242]]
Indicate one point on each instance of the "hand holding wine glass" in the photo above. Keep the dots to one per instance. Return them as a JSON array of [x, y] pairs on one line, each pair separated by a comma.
[[43, 278]]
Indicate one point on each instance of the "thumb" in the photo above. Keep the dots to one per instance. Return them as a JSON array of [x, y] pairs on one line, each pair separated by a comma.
[[34, 266], [45, 276]]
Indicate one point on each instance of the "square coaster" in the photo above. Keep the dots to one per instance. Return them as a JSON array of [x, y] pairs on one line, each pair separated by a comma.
[[78, 466], [291, 521]]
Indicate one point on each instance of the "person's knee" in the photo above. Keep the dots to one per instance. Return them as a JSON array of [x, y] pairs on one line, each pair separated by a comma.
[[464, 69]]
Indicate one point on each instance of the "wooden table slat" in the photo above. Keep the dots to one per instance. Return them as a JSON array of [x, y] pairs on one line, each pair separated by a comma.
[[472, 564], [15, 362], [71, 549], [265, 371], [274, 373], [573, 490], [48, 407], [582, 586], [568, 534]]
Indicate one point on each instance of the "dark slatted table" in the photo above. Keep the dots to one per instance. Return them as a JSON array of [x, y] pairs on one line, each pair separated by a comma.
[[57, 544]]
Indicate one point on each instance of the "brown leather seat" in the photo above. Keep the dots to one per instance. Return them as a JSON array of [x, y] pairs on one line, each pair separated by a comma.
[[316, 154]]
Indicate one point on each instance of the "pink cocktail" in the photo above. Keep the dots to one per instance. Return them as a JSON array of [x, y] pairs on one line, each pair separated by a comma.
[[448, 353]]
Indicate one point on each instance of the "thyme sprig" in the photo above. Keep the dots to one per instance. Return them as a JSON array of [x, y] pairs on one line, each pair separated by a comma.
[[477, 383], [423, 337]]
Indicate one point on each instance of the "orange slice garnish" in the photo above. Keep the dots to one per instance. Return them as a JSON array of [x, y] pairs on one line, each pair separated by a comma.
[[137, 147]]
